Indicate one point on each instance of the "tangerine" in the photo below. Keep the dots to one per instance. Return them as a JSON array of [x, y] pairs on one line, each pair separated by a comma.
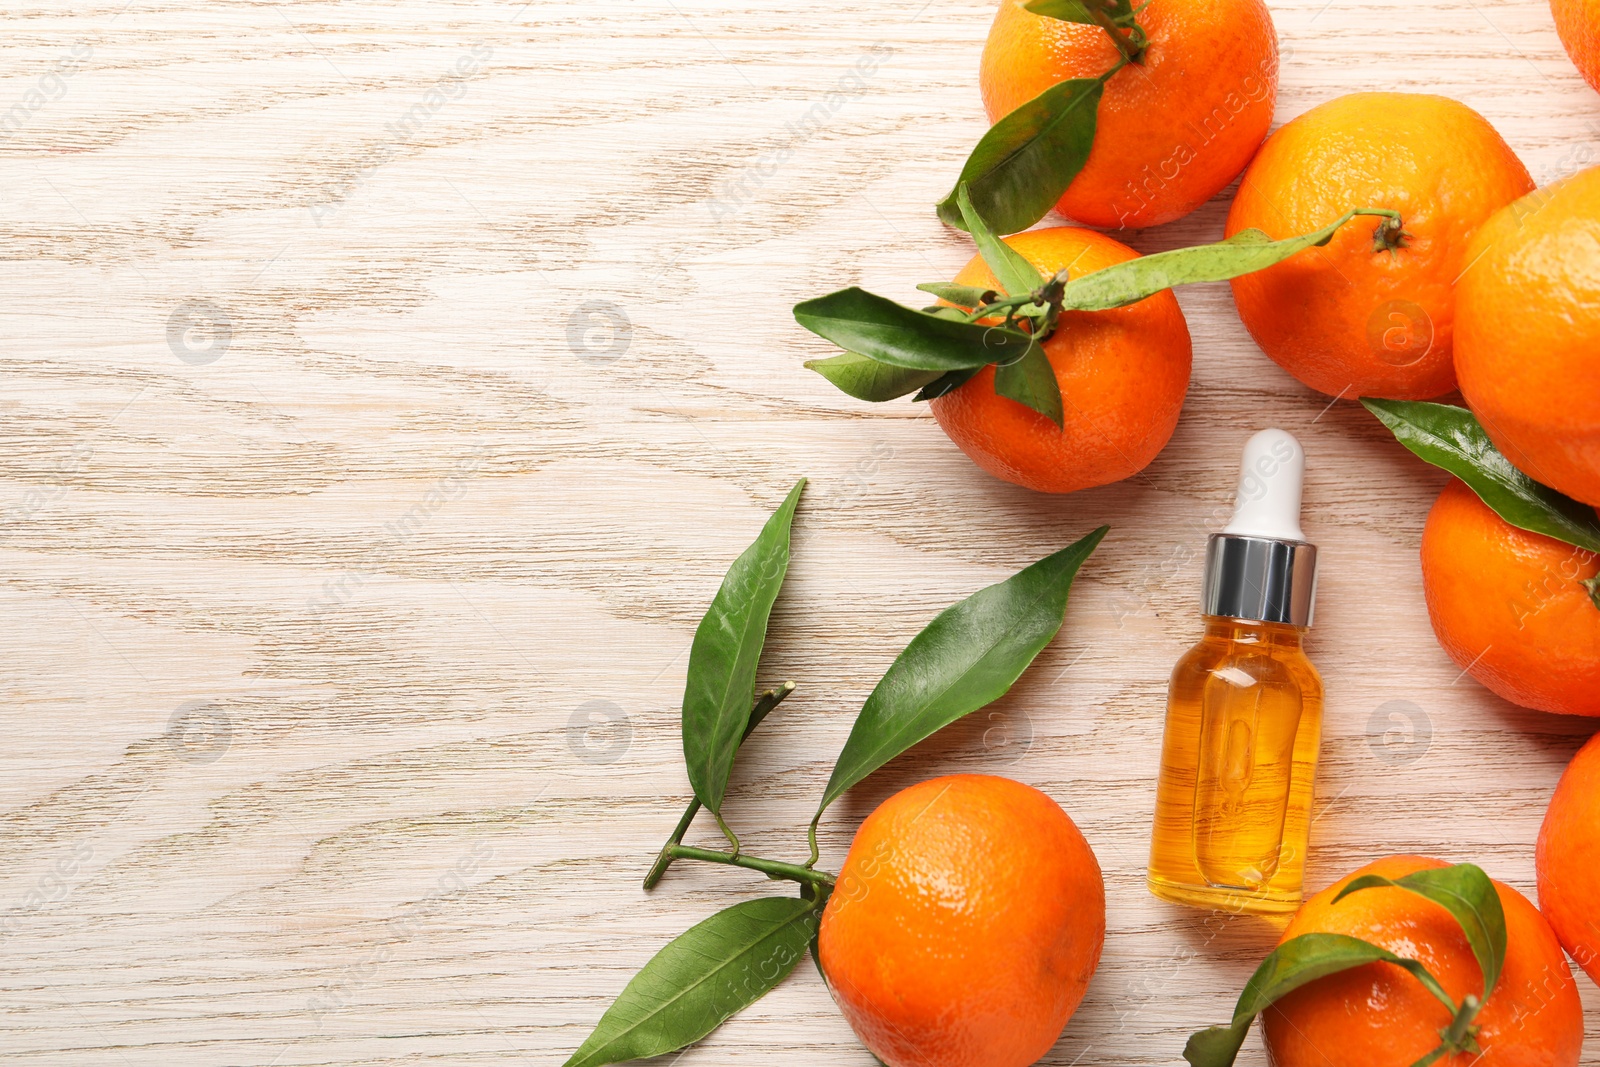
[[1123, 375], [1511, 607], [1351, 318], [1379, 1015], [1578, 22], [1568, 857], [1174, 128], [966, 923]]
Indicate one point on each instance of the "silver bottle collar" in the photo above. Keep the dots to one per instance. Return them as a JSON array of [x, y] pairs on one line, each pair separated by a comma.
[[1260, 579]]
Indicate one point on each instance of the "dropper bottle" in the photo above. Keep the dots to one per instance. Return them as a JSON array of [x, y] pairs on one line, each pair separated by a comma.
[[1244, 708]]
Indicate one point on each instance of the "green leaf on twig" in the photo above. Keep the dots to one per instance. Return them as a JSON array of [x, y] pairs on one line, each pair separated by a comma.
[[964, 659], [1078, 10], [880, 329], [1015, 274], [1291, 965], [718, 694], [1020, 168], [705, 975], [1244, 253], [1469, 895], [866, 379], [1452, 439], [1464, 890]]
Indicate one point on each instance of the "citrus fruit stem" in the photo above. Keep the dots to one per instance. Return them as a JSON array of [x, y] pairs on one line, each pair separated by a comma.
[[1431, 1057], [1461, 1035], [1391, 235], [1131, 46], [763, 706], [770, 868], [1593, 585]]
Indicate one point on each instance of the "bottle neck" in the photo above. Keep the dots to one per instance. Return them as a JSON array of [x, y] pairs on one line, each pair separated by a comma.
[[1253, 632]]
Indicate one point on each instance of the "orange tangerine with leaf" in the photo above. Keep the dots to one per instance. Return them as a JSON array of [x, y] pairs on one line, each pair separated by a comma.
[[1379, 1015], [1518, 611], [1372, 313], [1188, 99], [1123, 374]]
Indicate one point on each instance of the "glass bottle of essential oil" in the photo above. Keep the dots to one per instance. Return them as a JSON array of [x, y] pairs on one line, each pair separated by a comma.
[[1244, 708]]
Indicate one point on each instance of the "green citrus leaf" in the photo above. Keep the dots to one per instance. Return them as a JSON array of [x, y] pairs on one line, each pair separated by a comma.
[[947, 384], [966, 658], [1243, 253], [721, 683], [867, 379], [869, 325], [1031, 381], [1468, 894], [1289, 966], [1015, 274], [1452, 439], [1078, 11], [967, 296], [695, 983], [1020, 168]]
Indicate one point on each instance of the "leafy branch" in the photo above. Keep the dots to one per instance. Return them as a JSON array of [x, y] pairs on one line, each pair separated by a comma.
[[762, 708], [967, 657], [891, 350]]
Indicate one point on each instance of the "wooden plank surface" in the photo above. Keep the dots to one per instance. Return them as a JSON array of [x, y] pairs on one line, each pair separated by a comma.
[[387, 386]]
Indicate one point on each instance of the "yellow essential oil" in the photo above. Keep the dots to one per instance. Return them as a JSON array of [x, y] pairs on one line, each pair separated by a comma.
[[1244, 708]]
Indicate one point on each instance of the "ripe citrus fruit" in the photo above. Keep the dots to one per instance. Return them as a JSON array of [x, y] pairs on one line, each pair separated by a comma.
[[1174, 129], [1569, 857], [1510, 606], [1352, 319], [1528, 330], [965, 925], [1379, 1015], [1578, 22], [1123, 375]]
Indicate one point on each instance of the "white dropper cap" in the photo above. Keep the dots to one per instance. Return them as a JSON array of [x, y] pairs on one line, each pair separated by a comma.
[[1271, 476]]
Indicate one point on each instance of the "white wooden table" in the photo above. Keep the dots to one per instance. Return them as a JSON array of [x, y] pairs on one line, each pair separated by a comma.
[[329, 525]]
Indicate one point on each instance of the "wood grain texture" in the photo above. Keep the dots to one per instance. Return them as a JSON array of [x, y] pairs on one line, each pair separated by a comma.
[[387, 386]]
